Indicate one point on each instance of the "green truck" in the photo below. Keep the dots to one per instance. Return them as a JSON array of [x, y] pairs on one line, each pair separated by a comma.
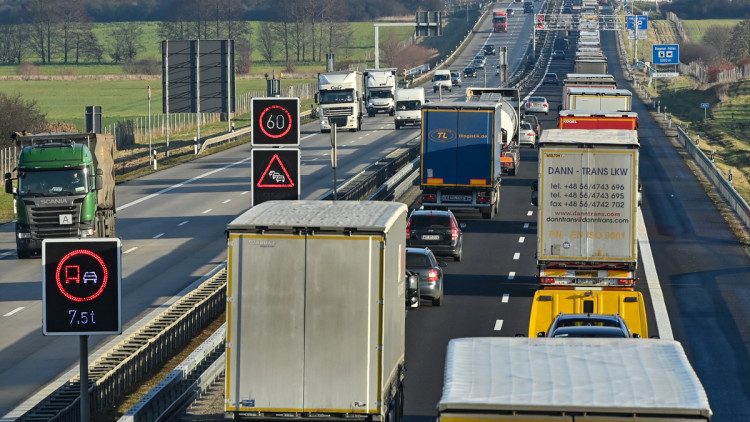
[[65, 188]]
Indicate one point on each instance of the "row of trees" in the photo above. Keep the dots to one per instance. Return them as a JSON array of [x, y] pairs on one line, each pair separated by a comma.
[[60, 31]]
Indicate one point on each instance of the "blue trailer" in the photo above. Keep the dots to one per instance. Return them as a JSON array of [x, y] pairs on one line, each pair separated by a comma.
[[463, 148]]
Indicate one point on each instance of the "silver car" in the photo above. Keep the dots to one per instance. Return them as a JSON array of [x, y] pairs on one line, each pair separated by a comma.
[[527, 136], [422, 262], [536, 105], [479, 61]]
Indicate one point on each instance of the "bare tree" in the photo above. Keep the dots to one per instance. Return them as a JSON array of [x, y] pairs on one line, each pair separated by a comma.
[[739, 47], [127, 42], [718, 38], [19, 114], [267, 40], [71, 14], [12, 39], [41, 15]]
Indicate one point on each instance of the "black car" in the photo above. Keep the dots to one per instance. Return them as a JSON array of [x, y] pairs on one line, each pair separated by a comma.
[[422, 261], [489, 50], [437, 230], [470, 72], [551, 79], [558, 54], [588, 325]]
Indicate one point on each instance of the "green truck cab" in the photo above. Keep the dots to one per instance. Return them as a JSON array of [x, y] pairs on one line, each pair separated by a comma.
[[65, 188]]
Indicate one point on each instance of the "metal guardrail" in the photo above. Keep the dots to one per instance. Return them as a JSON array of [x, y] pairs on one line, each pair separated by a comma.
[[121, 368]]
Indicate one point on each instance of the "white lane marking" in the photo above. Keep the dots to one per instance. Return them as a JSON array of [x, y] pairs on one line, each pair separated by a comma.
[[521, 239], [131, 249], [14, 311], [154, 195], [525, 225], [227, 201], [183, 223], [652, 280], [516, 255], [530, 213], [498, 325], [506, 297], [511, 275], [4, 254], [158, 235], [207, 211], [308, 136]]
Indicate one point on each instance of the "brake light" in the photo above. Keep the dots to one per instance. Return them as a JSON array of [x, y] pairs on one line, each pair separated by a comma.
[[432, 275], [624, 281], [407, 229], [544, 105], [530, 134], [454, 231], [428, 198], [548, 280], [528, 104]]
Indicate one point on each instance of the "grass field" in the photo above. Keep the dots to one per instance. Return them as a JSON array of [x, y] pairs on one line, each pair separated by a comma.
[[697, 28], [120, 99]]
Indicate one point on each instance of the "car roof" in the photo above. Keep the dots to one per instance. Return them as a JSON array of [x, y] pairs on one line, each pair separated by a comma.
[[537, 99], [432, 212], [423, 251], [589, 331]]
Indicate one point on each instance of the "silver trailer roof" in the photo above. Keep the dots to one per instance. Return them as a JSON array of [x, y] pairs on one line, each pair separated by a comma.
[[596, 113], [603, 91], [322, 215], [615, 137], [573, 374]]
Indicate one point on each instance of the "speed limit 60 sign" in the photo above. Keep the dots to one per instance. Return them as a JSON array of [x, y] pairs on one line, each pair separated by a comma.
[[275, 121], [81, 288]]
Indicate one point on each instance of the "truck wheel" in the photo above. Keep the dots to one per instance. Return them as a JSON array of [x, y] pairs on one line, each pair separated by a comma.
[[437, 301], [23, 254], [393, 113], [486, 213], [398, 126]]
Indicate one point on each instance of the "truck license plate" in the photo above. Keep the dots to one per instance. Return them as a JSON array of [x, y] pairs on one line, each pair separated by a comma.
[[462, 198], [430, 237]]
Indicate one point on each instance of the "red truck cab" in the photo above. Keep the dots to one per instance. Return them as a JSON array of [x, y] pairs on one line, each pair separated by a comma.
[[500, 21]]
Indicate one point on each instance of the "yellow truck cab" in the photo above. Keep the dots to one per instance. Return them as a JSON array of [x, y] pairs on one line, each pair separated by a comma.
[[552, 304]]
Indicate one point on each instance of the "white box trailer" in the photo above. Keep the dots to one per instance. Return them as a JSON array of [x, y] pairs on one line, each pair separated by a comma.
[[570, 379], [316, 310], [601, 99], [588, 199]]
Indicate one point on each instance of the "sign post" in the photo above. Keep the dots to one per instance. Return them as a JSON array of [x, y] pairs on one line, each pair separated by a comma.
[[82, 294], [704, 106]]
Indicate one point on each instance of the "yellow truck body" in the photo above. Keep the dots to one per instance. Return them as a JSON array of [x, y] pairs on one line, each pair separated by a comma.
[[550, 303]]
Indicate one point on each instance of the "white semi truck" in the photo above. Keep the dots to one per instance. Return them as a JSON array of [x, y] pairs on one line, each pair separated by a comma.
[[588, 199], [380, 90], [315, 311], [570, 380], [409, 102], [341, 99]]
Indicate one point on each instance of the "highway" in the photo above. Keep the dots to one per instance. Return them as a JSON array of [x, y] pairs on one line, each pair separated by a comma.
[[172, 227]]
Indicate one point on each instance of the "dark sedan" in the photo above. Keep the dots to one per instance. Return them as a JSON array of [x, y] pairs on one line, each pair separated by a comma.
[[437, 230], [422, 262]]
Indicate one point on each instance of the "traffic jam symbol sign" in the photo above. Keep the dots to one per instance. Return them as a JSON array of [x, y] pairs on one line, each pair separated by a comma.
[[666, 53], [275, 174], [275, 121], [81, 286]]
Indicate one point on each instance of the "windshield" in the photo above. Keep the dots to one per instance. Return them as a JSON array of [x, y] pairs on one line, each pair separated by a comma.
[[499, 19], [443, 77], [337, 96], [67, 181], [381, 94], [408, 105]]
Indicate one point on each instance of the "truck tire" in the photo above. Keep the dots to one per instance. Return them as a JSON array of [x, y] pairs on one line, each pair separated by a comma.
[[486, 214], [23, 254], [393, 113], [437, 301], [398, 126]]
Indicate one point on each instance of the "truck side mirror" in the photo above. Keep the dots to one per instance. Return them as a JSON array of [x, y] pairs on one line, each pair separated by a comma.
[[412, 290], [535, 193], [504, 136], [540, 334], [9, 183], [316, 98], [98, 180]]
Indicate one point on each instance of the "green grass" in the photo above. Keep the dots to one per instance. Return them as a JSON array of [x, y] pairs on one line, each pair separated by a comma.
[[120, 99], [697, 28]]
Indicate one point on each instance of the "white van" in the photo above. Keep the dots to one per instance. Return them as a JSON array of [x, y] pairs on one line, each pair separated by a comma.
[[442, 78], [409, 106]]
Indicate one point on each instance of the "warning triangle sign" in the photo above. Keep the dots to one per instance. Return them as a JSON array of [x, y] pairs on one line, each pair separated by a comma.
[[275, 175]]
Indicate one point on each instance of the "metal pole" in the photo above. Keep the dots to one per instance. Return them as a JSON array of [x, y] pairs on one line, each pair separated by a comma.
[[84, 378], [334, 158], [149, 118], [377, 47]]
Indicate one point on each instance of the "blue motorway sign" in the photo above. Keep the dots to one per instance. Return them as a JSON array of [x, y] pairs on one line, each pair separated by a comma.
[[666, 54], [641, 19], [704, 105]]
